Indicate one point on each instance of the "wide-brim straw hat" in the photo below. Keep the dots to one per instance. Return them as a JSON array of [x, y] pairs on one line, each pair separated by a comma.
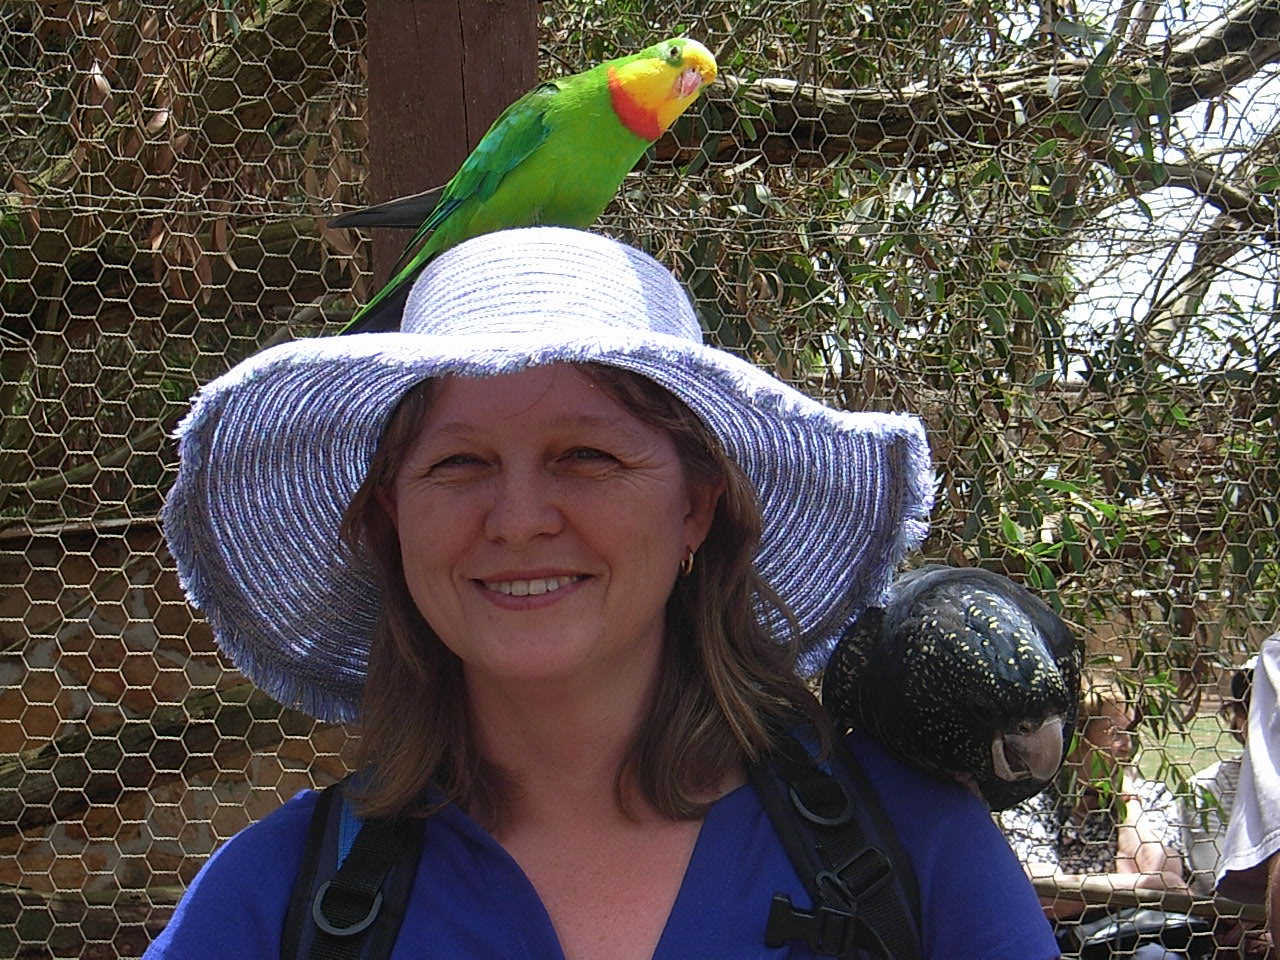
[[273, 451]]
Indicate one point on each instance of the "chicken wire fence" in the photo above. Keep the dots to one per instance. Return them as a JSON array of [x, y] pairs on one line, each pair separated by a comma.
[[1050, 229]]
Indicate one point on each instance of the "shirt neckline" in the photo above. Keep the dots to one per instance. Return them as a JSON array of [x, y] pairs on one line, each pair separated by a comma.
[[705, 869]]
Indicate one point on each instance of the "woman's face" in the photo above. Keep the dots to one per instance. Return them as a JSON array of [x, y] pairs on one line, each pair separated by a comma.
[[542, 525], [1108, 741], [1112, 733]]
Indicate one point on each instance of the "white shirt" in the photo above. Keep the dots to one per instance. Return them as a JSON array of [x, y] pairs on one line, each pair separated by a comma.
[[1204, 821], [1253, 834]]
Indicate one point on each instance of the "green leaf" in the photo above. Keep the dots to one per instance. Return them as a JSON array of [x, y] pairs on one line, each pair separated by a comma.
[[996, 319], [1108, 510], [1268, 179], [991, 171], [1071, 536], [1148, 149], [1045, 149], [1160, 90], [1241, 558], [887, 308], [1009, 527], [1034, 575], [1048, 582], [1097, 114], [1121, 101], [1106, 53], [884, 248], [1024, 303]]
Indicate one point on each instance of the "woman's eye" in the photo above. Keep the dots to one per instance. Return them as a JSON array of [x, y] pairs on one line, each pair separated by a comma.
[[456, 460], [587, 455]]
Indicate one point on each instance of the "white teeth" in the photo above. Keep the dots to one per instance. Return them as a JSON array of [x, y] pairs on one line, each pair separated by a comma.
[[528, 588]]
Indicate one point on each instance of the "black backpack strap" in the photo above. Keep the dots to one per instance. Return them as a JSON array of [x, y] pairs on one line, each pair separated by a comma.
[[328, 807], [350, 907], [882, 828], [847, 854]]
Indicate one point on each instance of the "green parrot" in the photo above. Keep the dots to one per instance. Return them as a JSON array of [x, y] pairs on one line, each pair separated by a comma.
[[556, 156]]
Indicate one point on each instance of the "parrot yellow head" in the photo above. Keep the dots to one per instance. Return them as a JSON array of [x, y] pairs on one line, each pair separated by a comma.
[[653, 87]]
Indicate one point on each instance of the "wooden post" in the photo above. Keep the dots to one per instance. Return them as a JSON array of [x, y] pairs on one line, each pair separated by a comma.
[[440, 72]]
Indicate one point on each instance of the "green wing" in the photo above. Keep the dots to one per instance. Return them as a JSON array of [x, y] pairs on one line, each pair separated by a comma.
[[516, 134]]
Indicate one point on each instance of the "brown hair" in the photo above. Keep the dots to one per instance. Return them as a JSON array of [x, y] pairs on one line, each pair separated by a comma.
[[1100, 691], [726, 687], [1092, 765]]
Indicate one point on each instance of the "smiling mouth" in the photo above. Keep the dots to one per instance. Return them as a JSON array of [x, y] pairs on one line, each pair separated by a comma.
[[529, 588]]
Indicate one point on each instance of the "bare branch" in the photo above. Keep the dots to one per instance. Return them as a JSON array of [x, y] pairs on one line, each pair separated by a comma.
[[1204, 181]]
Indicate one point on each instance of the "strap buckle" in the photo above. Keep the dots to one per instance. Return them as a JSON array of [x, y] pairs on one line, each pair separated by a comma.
[[827, 931], [351, 929], [863, 873]]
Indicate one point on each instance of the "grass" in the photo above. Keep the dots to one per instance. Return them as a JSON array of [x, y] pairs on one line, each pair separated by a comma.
[[1182, 753]]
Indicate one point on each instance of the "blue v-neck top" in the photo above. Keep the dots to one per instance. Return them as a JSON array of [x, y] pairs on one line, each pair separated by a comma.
[[471, 899]]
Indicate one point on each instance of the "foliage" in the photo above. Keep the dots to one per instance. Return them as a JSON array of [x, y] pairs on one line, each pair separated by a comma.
[[156, 198]]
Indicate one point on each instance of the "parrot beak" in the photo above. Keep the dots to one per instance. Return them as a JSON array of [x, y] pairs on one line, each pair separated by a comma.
[[1033, 753], [689, 83], [699, 69]]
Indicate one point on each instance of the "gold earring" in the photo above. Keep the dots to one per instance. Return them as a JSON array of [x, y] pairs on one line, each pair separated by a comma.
[[686, 565]]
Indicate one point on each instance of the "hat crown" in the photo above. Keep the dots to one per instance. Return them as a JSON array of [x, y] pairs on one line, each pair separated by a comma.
[[543, 279]]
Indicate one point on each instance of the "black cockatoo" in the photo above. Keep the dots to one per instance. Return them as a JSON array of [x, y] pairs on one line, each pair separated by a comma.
[[965, 674]]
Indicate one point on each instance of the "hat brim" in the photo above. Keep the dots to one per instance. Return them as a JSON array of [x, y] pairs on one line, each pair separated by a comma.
[[273, 452]]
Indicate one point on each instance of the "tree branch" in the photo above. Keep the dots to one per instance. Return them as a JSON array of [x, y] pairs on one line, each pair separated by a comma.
[[1170, 313], [1221, 54], [795, 122], [1204, 181]]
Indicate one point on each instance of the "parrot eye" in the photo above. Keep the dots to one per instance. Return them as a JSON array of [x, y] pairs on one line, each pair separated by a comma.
[[675, 52]]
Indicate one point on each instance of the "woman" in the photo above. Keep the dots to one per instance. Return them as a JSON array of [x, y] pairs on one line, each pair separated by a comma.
[[586, 559], [1101, 817]]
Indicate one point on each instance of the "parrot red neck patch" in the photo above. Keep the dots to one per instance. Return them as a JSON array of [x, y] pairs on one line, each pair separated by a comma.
[[635, 116]]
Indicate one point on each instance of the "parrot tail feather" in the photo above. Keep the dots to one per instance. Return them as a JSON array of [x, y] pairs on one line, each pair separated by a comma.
[[381, 317]]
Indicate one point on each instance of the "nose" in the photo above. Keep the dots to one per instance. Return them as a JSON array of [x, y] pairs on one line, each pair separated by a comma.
[[524, 506], [1125, 748]]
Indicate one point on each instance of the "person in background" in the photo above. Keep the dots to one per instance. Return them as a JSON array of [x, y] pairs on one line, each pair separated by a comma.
[[1249, 867], [1100, 817], [1213, 790], [1207, 810]]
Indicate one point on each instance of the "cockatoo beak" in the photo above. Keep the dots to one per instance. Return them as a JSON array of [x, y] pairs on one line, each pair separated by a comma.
[[1030, 754]]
